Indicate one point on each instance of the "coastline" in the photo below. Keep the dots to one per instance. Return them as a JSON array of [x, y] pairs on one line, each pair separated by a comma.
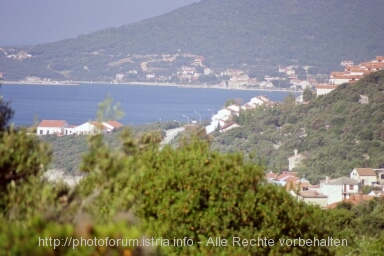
[[40, 83], [77, 83]]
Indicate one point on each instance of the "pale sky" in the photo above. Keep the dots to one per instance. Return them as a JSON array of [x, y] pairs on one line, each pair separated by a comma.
[[29, 22]]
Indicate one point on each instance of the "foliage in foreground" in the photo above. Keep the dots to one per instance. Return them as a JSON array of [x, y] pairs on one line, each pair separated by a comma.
[[195, 193]]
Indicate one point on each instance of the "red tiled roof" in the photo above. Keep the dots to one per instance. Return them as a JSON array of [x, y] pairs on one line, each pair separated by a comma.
[[365, 171], [312, 194], [282, 176], [285, 176], [354, 199], [291, 178], [325, 86], [97, 125], [115, 124], [52, 123]]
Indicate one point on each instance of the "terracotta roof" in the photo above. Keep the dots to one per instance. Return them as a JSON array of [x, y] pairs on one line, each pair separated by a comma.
[[115, 124], [270, 175], [52, 123], [365, 171], [342, 181], [283, 176], [97, 124], [325, 86], [337, 73], [341, 77], [291, 179], [312, 194], [354, 199]]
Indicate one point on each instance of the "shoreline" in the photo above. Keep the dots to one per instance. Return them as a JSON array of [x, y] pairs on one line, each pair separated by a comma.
[[41, 83], [77, 83]]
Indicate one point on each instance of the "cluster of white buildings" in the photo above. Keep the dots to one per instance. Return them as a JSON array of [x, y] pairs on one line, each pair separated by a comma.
[[330, 192], [61, 127], [351, 74], [223, 118]]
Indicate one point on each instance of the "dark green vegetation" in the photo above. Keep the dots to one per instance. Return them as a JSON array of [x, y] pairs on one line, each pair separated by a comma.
[[335, 132], [259, 33], [135, 190]]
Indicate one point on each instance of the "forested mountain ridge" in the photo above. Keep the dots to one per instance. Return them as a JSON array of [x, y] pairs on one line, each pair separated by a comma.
[[335, 132], [259, 33]]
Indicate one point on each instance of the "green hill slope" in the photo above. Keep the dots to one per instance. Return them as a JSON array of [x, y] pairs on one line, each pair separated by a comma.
[[228, 33], [335, 132]]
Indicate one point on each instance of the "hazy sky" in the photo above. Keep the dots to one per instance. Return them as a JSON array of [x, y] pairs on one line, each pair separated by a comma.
[[25, 22]]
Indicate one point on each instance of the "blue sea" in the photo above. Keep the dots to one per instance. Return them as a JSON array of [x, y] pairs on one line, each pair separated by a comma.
[[141, 104]]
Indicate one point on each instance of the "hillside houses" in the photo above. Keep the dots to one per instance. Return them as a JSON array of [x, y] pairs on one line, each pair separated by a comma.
[[61, 127], [365, 176], [151, 67], [331, 191], [50, 127], [257, 101], [339, 189], [350, 74], [322, 89], [225, 116]]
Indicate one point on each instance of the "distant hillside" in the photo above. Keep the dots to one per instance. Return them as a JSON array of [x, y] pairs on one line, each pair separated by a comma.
[[335, 132], [257, 33]]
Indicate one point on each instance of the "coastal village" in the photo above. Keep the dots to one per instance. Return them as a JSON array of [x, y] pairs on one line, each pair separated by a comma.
[[223, 120], [327, 194], [186, 69]]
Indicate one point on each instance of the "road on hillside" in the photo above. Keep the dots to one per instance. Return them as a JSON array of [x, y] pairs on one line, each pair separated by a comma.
[[170, 135]]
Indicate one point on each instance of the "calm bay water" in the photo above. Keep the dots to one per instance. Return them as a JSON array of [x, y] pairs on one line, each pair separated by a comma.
[[141, 104]]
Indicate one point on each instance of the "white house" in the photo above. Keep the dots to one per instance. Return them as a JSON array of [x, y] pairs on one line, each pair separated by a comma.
[[322, 89], [70, 130], [223, 114], [47, 127], [260, 100], [207, 71], [380, 175], [234, 108], [347, 63], [226, 113], [365, 176], [91, 128], [313, 197], [339, 189], [150, 76], [337, 80]]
